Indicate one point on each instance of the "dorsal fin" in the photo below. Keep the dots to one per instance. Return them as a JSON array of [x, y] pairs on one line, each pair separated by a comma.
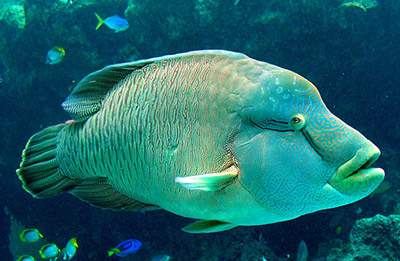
[[85, 99]]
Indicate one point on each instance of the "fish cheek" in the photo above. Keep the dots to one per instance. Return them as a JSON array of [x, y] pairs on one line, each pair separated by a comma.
[[252, 157], [278, 170]]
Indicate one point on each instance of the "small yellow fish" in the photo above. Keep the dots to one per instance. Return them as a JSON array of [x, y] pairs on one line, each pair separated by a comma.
[[55, 55], [70, 249], [26, 258], [49, 251], [30, 235]]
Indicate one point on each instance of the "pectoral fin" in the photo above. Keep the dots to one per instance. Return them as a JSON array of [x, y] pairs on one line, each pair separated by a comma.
[[207, 226], [209, 182]]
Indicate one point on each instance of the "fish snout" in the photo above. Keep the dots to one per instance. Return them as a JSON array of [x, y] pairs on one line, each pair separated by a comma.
[[356, 176]]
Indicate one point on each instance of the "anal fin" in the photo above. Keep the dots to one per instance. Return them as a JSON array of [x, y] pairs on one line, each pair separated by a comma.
[[209, 182], [207, 226]]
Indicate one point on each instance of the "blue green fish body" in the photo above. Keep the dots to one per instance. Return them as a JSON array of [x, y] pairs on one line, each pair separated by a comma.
[[30, 235], [55, 55], [26, 258], [212, 135], [49, 251], [115, 23], [70, 249]]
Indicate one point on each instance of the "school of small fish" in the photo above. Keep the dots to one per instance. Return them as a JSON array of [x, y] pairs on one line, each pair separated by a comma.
[[47, 251]]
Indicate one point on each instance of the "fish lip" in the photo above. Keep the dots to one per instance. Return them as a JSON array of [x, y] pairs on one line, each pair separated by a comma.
[[363, 159], [373, 158], [356, 175]]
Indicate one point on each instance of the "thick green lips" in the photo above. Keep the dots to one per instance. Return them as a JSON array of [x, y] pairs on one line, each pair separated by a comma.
[[355, 176]]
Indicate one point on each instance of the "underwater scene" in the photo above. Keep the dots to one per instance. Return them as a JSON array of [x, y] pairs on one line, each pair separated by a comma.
[[212, 130]]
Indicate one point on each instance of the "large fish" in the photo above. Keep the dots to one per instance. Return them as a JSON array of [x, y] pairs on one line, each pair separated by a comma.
[[211, 135]]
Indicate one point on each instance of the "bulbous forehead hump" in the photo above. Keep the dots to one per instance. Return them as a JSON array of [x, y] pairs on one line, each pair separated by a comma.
[[286, 81]]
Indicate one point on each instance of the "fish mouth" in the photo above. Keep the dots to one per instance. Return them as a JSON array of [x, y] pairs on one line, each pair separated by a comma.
[[356, 175]]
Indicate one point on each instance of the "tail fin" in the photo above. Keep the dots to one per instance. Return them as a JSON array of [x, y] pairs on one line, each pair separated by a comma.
[[113, 251], [41, 177], [100, 21], [38, 169]]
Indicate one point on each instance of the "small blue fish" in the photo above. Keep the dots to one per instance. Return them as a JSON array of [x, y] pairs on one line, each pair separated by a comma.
[[125, 248], [69, 251], [49, 251], [115, 23], [26, 258], [55, 55], [30, 235]]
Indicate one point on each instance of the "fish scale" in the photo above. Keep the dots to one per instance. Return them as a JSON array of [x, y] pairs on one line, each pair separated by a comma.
[[110, 120]]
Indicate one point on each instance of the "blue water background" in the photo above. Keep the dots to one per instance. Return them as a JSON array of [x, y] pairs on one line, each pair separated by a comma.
[[355, 67]]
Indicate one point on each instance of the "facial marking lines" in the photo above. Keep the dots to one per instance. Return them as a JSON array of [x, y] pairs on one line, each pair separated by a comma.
[[311, 142], [275, 125]]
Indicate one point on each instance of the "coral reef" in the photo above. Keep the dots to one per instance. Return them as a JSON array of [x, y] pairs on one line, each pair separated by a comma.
[[12, 12], [375, 238], [205, 9], [242, 245]]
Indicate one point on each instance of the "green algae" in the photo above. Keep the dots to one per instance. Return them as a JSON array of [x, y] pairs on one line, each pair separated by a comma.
[[12, 12]]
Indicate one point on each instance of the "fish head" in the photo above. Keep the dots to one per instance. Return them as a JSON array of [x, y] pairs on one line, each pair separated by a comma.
[[294, 155]]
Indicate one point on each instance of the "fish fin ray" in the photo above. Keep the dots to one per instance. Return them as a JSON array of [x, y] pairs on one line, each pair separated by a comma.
[[38, 170], [207, 226], [87, 96], [100, 21], [209, 182], [97, 192], [41, 177]]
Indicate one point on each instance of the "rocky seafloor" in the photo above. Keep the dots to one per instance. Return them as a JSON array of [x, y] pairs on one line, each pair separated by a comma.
[[349, 49]]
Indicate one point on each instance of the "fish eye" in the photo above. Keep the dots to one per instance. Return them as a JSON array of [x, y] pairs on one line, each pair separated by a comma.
[[297, 122]]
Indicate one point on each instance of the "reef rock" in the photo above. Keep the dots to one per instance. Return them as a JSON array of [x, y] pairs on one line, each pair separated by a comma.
[[363, 5], [374, 239], [12, 12], [70, 6], [206, 10]]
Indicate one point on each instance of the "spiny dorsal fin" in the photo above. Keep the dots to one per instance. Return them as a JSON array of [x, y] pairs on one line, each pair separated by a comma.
[[85, 99]]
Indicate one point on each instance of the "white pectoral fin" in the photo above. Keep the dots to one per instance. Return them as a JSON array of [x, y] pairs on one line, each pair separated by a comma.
[[207, 226], [209, 182]]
